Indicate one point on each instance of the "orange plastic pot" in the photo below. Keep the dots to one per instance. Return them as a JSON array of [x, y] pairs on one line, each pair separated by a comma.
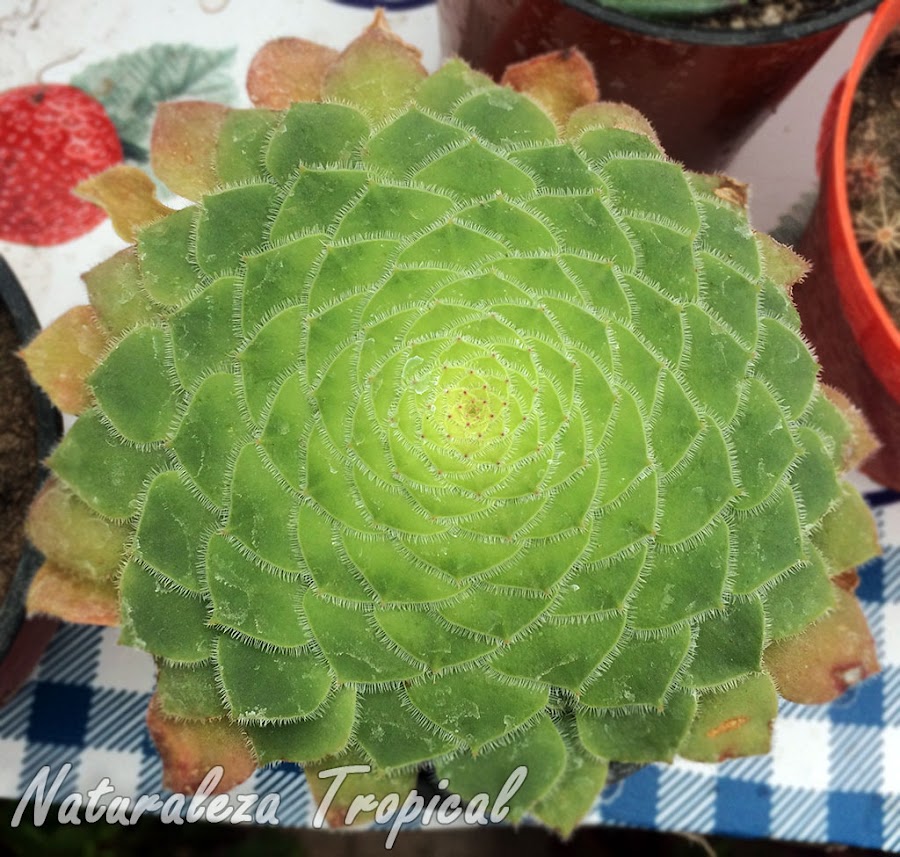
[[704, 90], [843, 316]]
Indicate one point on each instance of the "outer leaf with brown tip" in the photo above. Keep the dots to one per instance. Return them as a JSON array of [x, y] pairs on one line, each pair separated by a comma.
[[183, 146], [862, 443], [734, 722], [783, 266], [61, 357], [562, 82], [828, 658], [69, 533], [288, 70], [127, 195], [609, 114], [62, 593], [115, 292], [723, 187], [189, 749], [377, 73]]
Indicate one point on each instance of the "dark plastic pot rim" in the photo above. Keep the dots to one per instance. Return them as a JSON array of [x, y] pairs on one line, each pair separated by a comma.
[[676, 32], [48, 426]]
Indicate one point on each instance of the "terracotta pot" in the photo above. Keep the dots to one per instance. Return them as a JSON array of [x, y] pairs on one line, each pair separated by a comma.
[[854, 335], [706, 91], [23, 641]]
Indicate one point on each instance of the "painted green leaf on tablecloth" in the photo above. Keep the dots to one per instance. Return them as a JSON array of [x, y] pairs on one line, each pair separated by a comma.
[[131, 85]]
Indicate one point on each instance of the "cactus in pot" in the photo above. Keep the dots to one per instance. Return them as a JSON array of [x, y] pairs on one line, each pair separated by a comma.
[[873, 192], [453, 425]]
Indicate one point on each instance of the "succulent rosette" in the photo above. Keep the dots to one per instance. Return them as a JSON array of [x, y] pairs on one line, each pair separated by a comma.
[[454, 426]]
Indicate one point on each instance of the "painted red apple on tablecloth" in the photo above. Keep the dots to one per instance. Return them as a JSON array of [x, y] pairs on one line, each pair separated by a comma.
[[52, 137]]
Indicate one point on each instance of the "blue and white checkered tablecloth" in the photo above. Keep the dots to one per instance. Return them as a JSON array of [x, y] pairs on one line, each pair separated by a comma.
[[833, 775]]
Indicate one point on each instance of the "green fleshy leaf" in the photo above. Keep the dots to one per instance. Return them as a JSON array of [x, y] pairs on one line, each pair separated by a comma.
[[314, 135], [605, 586], [474, 706], [231, 225], [698, 490], [203, 336], [103, 470], [767, 541], [166, 257], [574, 793], [210, 434], [133, 387], [264, 685], [764, 447], [350, 642], [429, 640], [251, 600], [162, 620], [262, 511], [684, 581], [73, 536], [394, 736], [728, 645], [783, 347], [539, 748], [506, 118], [734, 722], [847, 536], [799, 598], [642, 736], [305, 741], [242, 142], [117, 294], [642, 672], [562, 655], [188, 692], [174, 528], [498, 615]]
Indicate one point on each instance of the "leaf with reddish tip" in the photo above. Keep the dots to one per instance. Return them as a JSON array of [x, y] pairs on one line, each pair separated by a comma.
[[723, 187], [781, 264], [377, 73], [828, 658], [561, 82], [847, 536], [609, 114], [847, 580], [377, 783], [61, 593], [189, 749], [183, 146], [288, 70], [127, 195], [862, 443], [114, 288], [734, 722], [71, 534], [61, 357]]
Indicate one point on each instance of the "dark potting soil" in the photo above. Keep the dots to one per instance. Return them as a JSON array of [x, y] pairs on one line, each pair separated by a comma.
[[873, 171], [18, 451]]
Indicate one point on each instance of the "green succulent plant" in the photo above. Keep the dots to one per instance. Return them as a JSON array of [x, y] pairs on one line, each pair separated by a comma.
[[670, 8], [453, 426]]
